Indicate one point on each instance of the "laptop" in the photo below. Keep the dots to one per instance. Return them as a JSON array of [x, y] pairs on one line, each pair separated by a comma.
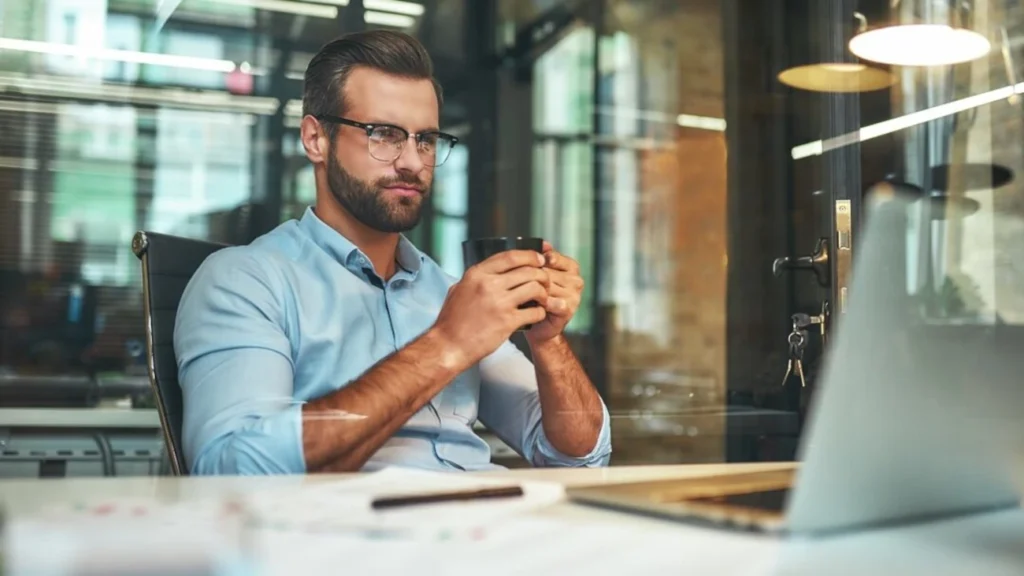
[[916, 416]]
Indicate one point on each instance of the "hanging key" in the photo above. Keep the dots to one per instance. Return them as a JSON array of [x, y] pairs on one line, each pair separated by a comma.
[[801, 321], [797, 345]]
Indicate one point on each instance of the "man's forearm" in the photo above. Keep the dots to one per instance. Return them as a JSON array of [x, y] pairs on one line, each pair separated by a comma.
[[342, 430], [572, 414]]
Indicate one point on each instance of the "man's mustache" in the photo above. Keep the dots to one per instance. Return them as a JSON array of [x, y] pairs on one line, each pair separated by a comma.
[[406, 181]]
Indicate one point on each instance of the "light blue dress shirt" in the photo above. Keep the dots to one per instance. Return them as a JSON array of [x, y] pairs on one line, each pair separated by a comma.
[[299, 313]]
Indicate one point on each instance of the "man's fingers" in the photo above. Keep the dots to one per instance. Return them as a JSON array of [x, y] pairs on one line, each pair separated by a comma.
[[561, 300], [561, 262], [547, 247], [530, 292], [531, 315], [557, 306], [510, 260], [520, 276], [565, 279]]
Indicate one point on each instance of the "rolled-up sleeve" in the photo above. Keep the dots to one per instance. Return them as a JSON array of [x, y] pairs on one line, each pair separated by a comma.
[[235, 371], [510, 407]]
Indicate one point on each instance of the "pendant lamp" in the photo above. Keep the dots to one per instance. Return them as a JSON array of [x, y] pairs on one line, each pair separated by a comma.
[[928, 33], [976, 176], [816, 66], [943, 206], [842, 77]]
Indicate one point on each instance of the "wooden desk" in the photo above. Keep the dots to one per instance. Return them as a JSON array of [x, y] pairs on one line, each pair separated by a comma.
[[979, 545], [26, 496]]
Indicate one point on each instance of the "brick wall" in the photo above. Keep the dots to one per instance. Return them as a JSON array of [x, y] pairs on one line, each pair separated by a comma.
[[657, 375]]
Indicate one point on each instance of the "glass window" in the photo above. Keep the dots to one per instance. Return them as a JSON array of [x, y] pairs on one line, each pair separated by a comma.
[[563, 196], [98, 140], [451, 183], [450, 204], [449, 233], [674, 150]]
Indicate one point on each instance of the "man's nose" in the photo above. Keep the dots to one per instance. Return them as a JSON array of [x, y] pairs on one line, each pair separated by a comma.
[[409, 160]]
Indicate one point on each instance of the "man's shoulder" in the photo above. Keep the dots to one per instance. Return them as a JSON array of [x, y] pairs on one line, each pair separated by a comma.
[[262, 261]]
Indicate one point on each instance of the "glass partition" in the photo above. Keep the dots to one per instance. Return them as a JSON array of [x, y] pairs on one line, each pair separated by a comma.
[[696, 158]]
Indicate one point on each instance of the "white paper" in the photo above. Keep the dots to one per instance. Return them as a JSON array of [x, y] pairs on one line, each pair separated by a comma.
[[344, 506], [538, 546], [329, 527], [532, 546], [127, 536]]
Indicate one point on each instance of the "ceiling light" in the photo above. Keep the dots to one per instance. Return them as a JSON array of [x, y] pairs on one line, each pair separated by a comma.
[[29, 107], [287, 7], [150, 58], [923, 33], [701, 122], [920, 45], [837, 77], [683, 120], [388, 19], [125, 94], [903, 122], [293, 107], [396, 6]]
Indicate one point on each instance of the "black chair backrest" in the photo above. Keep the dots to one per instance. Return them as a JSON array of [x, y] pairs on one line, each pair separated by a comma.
[[168, 263]]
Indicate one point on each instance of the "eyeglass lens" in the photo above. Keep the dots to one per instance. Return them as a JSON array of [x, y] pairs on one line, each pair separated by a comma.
[[387, 143]]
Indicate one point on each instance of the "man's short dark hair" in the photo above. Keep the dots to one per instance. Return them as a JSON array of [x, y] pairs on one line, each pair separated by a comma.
[[391, 52]]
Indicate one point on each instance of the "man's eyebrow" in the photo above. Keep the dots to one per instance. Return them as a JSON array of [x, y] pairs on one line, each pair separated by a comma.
[[380, 121], [397, 125]]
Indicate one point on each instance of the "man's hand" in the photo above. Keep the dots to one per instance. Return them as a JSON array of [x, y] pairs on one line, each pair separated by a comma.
[[565, 293], [483, 309]]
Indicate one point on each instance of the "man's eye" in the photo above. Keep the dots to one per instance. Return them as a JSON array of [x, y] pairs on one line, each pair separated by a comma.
[[388, 134]]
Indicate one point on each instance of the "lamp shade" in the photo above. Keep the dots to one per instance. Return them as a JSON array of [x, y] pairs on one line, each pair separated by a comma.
[[943, 206], [920, 45], [843, 77], [976, 176]]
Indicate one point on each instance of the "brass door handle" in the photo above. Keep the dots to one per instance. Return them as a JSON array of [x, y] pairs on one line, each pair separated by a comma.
[[818, 262]]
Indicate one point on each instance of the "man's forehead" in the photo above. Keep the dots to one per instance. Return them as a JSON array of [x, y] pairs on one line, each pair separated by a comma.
[[378, 96]]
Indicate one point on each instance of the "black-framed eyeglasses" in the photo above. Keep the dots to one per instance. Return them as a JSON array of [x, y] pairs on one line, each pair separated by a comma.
[[387, 141]]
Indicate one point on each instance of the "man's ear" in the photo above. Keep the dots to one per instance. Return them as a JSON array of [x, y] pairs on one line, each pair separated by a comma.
[[314, 140]]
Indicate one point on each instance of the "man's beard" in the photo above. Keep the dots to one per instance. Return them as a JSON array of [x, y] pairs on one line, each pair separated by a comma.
[[369, 204]]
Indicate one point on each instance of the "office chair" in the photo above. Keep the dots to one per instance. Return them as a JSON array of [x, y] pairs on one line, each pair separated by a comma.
[[168, 263]]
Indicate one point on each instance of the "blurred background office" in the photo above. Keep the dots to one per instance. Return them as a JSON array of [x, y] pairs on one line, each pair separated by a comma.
[[690, 155]]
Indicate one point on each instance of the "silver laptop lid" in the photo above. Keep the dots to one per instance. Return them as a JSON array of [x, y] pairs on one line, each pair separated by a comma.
[[918, 416]]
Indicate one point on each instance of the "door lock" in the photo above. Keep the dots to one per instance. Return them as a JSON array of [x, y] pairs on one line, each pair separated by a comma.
[[817, 263]]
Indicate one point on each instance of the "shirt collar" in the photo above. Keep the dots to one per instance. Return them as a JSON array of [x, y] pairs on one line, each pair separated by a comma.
[[410, 259]]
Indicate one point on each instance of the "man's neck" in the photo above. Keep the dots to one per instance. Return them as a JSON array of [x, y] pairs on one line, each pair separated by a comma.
[[380, 247]]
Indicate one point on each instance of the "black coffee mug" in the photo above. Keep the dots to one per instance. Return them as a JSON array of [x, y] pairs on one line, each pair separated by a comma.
[[476, 250]]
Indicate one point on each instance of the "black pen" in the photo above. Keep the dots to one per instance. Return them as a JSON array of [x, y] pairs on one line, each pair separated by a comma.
[[413, 500]]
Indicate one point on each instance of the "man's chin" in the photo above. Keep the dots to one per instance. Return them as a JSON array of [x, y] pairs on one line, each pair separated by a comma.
[[403, 223], [400, 227]]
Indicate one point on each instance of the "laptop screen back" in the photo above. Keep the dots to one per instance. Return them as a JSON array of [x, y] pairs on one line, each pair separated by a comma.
[[920, 410]]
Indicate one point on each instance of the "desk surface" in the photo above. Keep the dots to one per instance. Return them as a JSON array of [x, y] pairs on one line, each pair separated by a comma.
[[978, 545], [26, 496]]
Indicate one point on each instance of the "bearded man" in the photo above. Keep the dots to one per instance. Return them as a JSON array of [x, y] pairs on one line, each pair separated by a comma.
[[333, 344]]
